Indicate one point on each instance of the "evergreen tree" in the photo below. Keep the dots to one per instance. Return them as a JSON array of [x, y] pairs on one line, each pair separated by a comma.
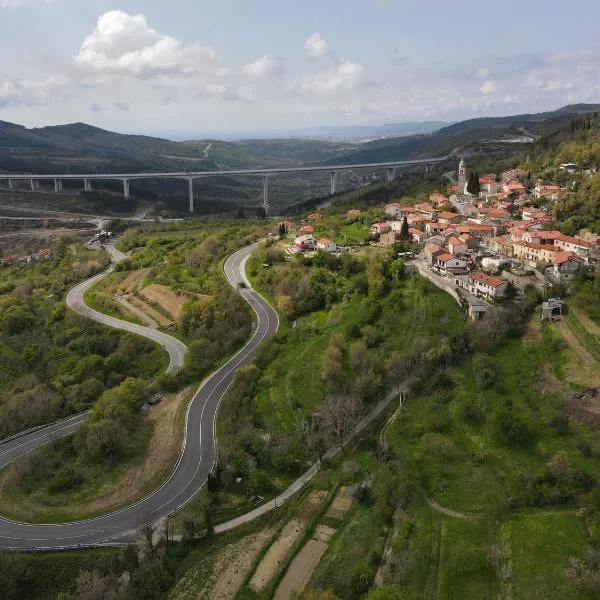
[[281, 230], [404, 233], [474, 187]]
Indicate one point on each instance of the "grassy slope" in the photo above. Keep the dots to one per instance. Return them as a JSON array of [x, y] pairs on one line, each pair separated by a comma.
[[475, 472], [293, 383]]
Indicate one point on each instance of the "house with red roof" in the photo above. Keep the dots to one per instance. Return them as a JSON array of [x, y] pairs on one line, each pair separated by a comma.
[[471, 241], [481, 284], [305, 242], [534, 253], [326, 245], [432, 228], [379, 228], [513, 187], [548, 191], [438, 200], [449, 217], [566, 265], [577, 245], [417, 235], [450, 264], [432, 251], [457, 246], [313, 217], [306, 230]]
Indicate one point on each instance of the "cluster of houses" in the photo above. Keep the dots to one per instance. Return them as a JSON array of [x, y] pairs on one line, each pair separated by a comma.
[[10, 260], [305, 240], [462, 233]]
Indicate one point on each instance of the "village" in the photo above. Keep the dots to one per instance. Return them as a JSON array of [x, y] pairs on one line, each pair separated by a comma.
[[482, 241]]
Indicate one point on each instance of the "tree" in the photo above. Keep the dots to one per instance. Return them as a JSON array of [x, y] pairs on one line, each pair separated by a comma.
[[359, 356], [281, 230], [473, 186], [285, 306], [91, 585], [332, 371], [404, 232], [397, 269], [339, 416], [240, 213], [397, 369]]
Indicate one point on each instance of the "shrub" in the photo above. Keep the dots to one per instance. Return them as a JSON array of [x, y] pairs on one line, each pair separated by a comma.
[[510, 426]]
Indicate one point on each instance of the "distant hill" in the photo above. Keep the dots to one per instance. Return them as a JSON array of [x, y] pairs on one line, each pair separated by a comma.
[[487, 135], [80, 148]]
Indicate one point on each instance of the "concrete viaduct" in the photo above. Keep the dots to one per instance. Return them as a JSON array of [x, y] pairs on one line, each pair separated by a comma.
[[333, 171]]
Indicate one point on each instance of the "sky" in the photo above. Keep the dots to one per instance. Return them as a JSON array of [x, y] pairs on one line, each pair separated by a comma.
[[184, 68]]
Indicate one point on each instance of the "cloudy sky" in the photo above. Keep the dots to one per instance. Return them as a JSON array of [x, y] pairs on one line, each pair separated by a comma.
[[193, 66]]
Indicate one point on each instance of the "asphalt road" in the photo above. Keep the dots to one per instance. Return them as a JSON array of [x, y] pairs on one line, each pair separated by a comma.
[[196, 460], [176, 348]]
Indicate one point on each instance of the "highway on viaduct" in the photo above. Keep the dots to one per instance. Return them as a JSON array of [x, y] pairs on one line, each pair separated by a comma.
[[191, 176], [199, 449]]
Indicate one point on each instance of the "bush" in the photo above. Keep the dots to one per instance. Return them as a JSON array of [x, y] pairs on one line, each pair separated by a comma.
[[510, 426]]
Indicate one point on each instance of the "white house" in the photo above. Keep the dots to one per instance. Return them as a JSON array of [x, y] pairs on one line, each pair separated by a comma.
[[486, 285], [394, 210], [450, 263], [571, 244], [326, 245], [305, 242], [457, 246]]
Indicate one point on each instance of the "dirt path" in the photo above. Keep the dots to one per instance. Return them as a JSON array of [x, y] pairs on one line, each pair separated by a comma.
[[582, 352], [381, 577], [383, 435], [583, 368], [590, 325], [447, 511]]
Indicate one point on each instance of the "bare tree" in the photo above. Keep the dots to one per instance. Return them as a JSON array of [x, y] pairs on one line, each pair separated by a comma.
[[397, 369], [311, 437], [91, 585], [340, 414]]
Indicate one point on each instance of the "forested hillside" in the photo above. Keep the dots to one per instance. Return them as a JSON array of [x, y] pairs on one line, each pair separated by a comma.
[[53, 362]]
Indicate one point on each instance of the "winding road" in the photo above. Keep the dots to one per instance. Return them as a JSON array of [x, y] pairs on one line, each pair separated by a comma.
[[199, 449]]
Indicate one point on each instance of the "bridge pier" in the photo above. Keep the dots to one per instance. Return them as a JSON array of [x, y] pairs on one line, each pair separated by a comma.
[[333, 182], [58, 185], [126, 188], [87, 185], [11, 184], [265, 179], [391, 174], [191, 193], [35, 184]]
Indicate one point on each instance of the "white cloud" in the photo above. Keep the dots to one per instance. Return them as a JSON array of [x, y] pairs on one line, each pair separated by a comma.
[[124, 44], [315, 46], [222, 91], [489, 87], [266, 66], [343, 76]]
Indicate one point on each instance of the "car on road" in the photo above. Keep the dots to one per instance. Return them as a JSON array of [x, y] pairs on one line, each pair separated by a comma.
[[242, 285]]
